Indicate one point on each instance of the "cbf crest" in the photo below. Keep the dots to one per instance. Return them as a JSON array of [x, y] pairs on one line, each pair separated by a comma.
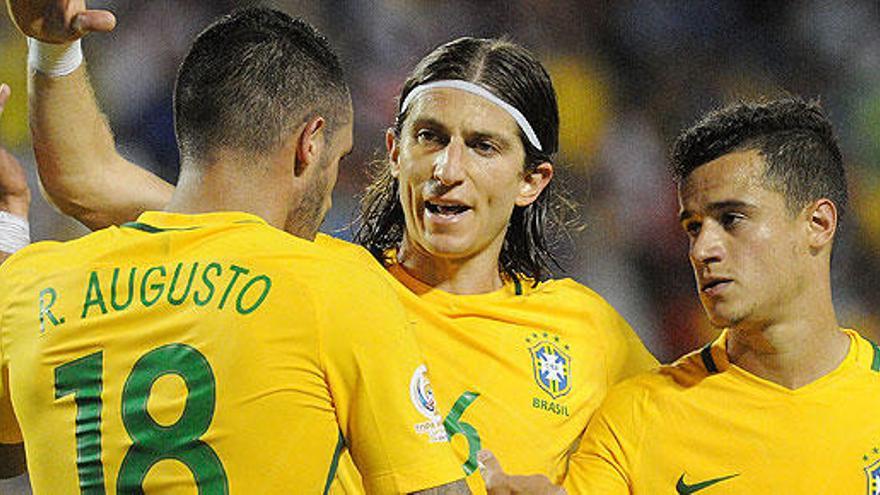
[[551, 364]]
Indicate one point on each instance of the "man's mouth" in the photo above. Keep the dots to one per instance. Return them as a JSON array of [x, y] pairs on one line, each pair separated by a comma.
[[445, 210], [714, 286]]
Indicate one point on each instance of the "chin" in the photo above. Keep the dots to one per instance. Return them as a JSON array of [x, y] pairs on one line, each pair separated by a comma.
[[718, 317], [725, 319], [445, 245], [719, 322], [446, 250]]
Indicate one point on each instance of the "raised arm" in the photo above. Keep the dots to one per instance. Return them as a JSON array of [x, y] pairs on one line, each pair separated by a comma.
[[15, 197], [81, 172]]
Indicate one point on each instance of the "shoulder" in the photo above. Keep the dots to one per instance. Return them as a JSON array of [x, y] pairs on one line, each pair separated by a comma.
[[634, 400], [28, 255], [642, 398], [685, 372], [24, 267], [584, 305], [664, 382], [45, 260], [45, 256], [569, 293], [866, 354], [343, 248], [344, 279]]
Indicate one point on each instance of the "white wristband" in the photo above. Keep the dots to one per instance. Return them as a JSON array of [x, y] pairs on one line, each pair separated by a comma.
[[54, 60], [15, 232]]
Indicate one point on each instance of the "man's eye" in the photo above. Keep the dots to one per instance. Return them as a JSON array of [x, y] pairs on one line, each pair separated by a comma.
[[484, 147], [729, 220], [426, 136]]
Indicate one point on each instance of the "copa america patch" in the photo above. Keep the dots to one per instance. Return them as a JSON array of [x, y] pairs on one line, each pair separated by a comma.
[[422, 396]]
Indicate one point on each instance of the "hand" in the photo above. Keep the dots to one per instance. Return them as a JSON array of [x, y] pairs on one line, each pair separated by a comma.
[[15, 197], [59, 21], [500, 483]]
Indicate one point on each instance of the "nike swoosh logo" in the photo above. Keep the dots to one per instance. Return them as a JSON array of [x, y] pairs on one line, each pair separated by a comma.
[[685, 489]]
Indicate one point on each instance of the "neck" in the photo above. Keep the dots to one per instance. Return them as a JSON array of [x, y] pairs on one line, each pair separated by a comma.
[[223, 186], [477, 274], [791, 352]]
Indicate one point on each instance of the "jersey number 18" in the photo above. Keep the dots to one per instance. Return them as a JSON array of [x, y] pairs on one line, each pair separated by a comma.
[[151, 442]]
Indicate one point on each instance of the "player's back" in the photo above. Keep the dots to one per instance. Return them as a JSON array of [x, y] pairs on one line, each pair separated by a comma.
[[178, 352]]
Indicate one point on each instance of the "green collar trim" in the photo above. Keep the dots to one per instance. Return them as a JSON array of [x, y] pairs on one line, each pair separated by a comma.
[[875, 365], [151, 229], [708, 360]]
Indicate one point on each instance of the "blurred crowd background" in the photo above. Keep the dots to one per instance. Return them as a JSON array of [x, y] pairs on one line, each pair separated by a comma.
[[629, 75]]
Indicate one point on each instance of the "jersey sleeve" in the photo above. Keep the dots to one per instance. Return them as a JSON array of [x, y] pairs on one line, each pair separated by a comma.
[[603, 462], [382, 392], [627, 354]]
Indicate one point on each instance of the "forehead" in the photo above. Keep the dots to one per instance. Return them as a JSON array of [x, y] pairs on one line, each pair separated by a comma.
[[462, 110], [735, 176]]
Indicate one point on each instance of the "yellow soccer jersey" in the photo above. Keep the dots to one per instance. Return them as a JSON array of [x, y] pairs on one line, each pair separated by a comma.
[[212, 352], [523, 368], [703, 425]]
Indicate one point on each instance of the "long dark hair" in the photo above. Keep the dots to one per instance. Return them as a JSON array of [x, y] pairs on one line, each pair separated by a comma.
[[510, 72]]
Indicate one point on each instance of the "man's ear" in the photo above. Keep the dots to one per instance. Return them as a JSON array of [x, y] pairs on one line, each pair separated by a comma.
[[533, 183], [393, 147], [309, 144], [821, 223]]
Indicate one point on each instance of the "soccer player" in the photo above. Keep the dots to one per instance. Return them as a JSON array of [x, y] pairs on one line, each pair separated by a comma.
[[459, 217], [202, 347], [784, 401]]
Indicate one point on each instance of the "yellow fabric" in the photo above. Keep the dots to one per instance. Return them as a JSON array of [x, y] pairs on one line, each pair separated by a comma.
[[684, 423], [482, 343], [302, 346]]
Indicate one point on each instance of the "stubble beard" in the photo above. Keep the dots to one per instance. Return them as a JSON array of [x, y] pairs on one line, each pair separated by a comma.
[[309, 216]]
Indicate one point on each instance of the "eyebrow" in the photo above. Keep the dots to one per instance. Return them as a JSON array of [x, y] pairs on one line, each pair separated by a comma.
[[730, 204], [503, 141], [428, 122], [436, 124]]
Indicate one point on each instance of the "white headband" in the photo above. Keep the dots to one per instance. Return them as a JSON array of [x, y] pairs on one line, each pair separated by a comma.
[[479, 91]]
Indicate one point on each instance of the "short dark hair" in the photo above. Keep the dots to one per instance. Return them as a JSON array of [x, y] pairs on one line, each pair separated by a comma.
[[513, 74], [250, 78], [794, 137]]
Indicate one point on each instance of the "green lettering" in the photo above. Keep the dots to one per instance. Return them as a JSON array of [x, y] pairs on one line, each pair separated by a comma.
[[94, 297], [238, 271], [117, 306], [267, 284], [46, 309], [192, 275], [160, 287], [453, 426], [216, 267]]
